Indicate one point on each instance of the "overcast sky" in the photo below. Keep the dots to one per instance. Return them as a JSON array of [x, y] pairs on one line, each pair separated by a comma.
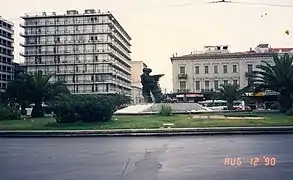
[[159, 29]]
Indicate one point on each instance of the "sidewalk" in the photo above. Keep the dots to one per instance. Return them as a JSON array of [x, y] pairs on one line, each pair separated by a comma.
[[149, 132]]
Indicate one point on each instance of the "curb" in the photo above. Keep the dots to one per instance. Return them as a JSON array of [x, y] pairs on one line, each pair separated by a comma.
[[150, 132]]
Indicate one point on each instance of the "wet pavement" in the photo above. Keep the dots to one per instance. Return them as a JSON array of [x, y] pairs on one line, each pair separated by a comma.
[[234, 157]]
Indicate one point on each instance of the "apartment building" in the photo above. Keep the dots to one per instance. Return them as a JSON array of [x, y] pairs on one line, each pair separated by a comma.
[[6, 53], [89, 51], [136, 71], [205, 71]]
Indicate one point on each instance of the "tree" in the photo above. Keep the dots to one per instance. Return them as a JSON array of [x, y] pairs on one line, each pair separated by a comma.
[[17, 91], [36, 88], [277, 77], [230, 93]]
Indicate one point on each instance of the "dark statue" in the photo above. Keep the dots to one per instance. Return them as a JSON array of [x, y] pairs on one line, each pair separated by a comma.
[[150, 86]]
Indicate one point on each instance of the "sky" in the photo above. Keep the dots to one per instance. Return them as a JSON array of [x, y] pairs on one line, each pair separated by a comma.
[[159, 29]]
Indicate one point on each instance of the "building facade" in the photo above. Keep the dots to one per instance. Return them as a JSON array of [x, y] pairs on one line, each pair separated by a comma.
[[136, 71], [6, 53], [201, 72], [89, 51]]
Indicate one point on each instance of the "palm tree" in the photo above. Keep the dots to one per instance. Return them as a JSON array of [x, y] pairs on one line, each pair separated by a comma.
[[276, 77], [37, 89], [230, 93]]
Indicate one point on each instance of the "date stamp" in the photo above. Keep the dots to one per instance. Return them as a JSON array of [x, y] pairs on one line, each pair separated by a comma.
[[251, 161]]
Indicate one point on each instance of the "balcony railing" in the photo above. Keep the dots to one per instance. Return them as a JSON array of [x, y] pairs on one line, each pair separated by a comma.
[[207, 90], [64, 23], [183, 90], [182, 76], [52, 33]]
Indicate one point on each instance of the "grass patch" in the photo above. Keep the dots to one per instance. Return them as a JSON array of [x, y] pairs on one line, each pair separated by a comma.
[[150, 121]]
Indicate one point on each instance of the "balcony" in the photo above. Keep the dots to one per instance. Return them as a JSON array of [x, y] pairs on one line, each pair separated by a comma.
[[207, 90], [182, 76], [183, 90], [67, 32]]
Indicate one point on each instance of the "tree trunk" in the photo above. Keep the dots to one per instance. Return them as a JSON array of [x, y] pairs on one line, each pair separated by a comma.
[[285, 102], [37, 110], [230, 105]]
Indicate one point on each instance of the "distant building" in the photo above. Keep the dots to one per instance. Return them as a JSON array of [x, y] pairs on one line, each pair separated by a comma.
[[90, 51], [18, 69], [136, 71], [203, 72], [6, 53]]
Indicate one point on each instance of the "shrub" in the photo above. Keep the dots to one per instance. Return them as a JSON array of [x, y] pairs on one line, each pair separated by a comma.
[[48, 110], [165, 110], [120, 100], [23, 111], [86, 108], [38, 111], [275, 106], [66, 111], [9, 113], [289, 112]]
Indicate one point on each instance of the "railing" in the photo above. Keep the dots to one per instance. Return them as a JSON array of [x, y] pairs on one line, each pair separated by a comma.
[[183, 90], [182, 76], [64, 23], [207, 90], [67, 32], [121, 40]]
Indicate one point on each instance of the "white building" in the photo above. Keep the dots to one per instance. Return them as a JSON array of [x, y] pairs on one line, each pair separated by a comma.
[[90, 51], [6, 53], [136, 71], [204, 71]]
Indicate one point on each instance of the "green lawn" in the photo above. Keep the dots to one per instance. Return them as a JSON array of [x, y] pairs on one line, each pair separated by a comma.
[[149, 121]]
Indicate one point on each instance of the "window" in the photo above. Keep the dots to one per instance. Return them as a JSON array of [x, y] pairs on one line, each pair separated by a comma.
[[197, 85], [76, 69], [234, 68], [206, 69], [225, 82], [249, 68], [216, 69], [182, 70], [207, 85], [216, 84], [182, 85], [225, 69], [235, 82], [196, 69]]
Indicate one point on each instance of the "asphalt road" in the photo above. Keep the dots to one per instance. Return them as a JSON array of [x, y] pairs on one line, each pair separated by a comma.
[[148, 158]]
